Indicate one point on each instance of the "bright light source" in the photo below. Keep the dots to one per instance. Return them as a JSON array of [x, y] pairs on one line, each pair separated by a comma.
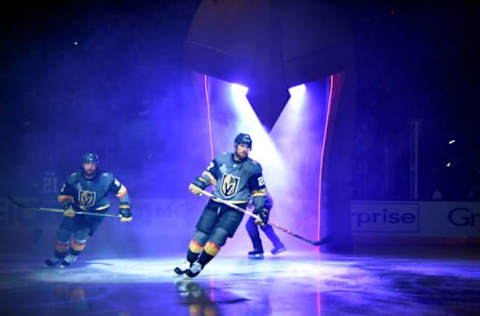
[[452, 141], [449, 164], [264, 150], [297, 94], [297, 91], [239, 95], [75, 43], [239, 90]]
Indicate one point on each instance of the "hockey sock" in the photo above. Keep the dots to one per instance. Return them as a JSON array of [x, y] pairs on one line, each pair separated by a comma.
[[61, 249], [208, 253], [194, 251], [77, 247]]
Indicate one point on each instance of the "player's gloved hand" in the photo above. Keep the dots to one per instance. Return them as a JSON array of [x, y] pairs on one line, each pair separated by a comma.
[[126, 215], [263, 214], [195, 189], [69, 212]]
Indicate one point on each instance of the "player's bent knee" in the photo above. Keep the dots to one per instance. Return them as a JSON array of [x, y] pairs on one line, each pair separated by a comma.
[[82, 234], [63, 235], [200, 237], [219, 236]]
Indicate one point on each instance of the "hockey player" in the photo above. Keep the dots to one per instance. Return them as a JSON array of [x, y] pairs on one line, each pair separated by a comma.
[[236, 178], [253, 233], [85, 190]]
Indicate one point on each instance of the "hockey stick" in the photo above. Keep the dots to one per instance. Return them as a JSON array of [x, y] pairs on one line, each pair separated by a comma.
[[238, 208], [56, 210]]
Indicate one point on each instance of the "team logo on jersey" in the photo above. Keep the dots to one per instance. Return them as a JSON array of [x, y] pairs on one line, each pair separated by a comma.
[[87, 198], [229, 185]]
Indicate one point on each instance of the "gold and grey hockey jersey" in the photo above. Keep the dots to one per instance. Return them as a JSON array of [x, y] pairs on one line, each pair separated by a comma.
[[92, 194], [234, 181]]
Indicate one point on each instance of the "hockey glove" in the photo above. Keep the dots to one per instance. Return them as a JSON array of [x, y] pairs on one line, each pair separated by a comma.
[[263, 213], [69, 212], [126, 215], [195, 189]]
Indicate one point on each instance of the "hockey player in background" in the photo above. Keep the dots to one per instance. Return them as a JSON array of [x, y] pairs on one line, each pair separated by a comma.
[[253, 233], [85, 190], [236, 178]]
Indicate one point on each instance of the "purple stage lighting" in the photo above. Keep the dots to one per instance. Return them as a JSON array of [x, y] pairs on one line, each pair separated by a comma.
[[290, 154]]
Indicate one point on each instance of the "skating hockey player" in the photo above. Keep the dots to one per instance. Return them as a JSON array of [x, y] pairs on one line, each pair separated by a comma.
[[236, 178], [85, 190]]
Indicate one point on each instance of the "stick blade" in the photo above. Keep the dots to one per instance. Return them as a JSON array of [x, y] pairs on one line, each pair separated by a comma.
[[322, 241]]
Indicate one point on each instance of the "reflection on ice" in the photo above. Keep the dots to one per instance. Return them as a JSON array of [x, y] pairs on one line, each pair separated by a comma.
[[294, 284]]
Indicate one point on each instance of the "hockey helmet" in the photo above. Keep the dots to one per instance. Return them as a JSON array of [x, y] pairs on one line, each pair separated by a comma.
[[90, 157], [243, 138]]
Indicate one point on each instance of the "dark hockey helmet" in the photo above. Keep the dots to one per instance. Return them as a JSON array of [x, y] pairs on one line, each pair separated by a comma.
[[90, 157], [243, 138]]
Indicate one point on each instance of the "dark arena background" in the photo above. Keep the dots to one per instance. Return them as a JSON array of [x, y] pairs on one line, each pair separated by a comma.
[[364, 116]]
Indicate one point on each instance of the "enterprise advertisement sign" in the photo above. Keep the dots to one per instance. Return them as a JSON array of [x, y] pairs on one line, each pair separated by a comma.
[[423, 218], [385, 217]]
